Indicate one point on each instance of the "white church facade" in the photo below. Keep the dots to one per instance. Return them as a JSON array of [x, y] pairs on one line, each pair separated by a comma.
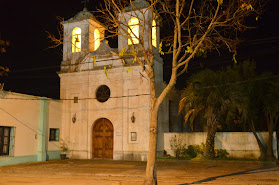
[[106, 109]]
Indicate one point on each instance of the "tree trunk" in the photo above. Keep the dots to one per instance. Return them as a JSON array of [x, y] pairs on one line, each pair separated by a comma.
[[210, 138], [150, 172], [260, 144], [270, 155]]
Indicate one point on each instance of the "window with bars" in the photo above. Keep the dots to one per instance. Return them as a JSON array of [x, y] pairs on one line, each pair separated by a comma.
[[5, 134], [54, 134]]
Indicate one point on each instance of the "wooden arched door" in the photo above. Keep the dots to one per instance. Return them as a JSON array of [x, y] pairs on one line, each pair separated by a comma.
[[102, 139]]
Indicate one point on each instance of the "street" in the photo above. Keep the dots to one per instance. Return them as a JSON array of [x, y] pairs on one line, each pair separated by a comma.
[[170, 172]]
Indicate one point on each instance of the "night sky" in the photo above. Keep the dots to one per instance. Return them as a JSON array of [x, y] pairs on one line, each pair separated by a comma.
[[33, 66]]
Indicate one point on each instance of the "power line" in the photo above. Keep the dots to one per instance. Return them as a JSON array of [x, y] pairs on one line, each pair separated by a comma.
[[27, 125], [261, 41], [239, 82], [64, 65], [252, 42], [71, 99], [207, 87]]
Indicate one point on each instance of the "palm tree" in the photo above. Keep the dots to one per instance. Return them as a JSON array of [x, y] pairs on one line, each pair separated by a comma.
[[262, 94], [218, 96], [252, 89], [271, 111], [263, 100], [213, 96]]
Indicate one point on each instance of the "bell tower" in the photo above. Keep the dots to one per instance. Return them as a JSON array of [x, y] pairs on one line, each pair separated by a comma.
[[137, 18], [82, 34]]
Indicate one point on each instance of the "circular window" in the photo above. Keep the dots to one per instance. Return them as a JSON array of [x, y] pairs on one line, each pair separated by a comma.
[[103, 93]]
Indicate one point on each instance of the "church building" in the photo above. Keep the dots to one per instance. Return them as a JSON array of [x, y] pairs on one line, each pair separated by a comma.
[[106, 109], [104, 106]]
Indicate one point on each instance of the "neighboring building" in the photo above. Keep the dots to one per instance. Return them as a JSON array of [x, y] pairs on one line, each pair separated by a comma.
[[29, 128]]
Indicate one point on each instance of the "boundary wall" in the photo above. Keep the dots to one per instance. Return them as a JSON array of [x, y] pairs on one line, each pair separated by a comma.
[[237, 144]]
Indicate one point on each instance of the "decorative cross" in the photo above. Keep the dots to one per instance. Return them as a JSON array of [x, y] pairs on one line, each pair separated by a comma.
[[85, 2]]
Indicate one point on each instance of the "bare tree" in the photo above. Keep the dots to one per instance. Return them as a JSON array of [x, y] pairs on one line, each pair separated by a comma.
[[3, 45], [193, 28], [197, 26], [3, 70]]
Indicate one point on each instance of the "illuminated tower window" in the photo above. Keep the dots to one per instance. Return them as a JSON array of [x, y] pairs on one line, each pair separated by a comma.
[[133, 31], [97, 39], [154, 34], [76, 40]]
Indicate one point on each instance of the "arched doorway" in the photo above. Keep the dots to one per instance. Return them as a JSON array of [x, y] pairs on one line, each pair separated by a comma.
[[102, 139]]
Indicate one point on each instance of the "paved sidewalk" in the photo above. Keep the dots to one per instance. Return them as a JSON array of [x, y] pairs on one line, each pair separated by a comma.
[[170, 172]]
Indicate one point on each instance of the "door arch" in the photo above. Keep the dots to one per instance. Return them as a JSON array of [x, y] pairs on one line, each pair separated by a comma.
[[102, 139]]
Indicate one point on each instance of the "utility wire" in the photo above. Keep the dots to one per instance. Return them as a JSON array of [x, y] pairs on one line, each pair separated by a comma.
[[71, 99], [63, 65], [27, 126], [239, 82], [207, 87], [253, 42]]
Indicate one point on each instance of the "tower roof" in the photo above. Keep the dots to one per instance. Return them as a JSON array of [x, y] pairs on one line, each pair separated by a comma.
[[84, 14], [137, 5]]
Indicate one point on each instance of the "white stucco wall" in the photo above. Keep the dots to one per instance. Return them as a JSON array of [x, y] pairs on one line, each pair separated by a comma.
[[54, 120], [129, 95], [23, 113], [118, 109], [237, 144]]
